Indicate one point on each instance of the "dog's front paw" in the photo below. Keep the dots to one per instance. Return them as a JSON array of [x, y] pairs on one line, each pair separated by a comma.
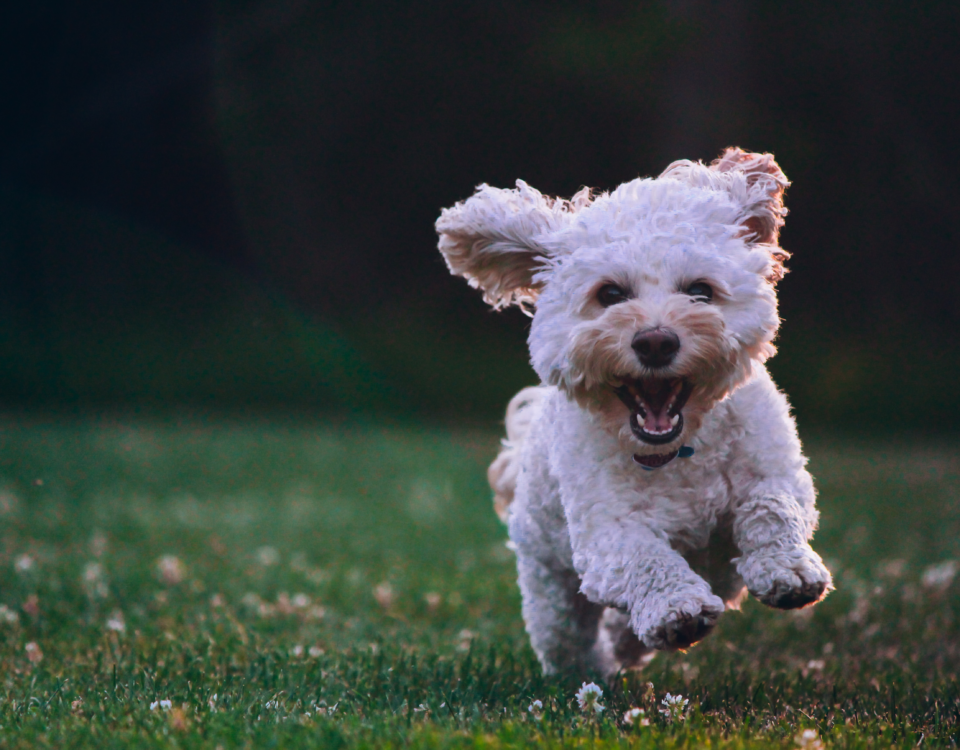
[[786, 578], [681, 622]]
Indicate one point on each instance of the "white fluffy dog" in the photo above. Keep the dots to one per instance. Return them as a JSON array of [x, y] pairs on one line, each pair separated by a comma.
[[656, 473]]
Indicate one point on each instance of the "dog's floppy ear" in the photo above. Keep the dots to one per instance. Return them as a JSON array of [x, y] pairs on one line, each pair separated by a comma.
[[492, 239], [763, 202], [756, 183]]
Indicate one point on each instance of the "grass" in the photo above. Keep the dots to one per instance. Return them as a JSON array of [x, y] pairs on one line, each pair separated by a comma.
[[285, 584]]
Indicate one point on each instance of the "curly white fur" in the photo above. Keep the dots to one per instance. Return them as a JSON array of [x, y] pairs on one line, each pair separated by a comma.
[[614, 561]]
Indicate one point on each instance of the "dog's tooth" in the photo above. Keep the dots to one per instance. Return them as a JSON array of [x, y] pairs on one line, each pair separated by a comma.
[[676, 418]]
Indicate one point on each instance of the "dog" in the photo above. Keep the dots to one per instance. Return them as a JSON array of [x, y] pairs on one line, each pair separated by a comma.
[[655, 476]]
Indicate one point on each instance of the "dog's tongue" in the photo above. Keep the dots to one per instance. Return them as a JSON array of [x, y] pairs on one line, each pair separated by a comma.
[[657, 422]]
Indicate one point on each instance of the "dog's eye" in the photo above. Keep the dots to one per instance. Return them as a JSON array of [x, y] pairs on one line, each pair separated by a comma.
[[611, 294], [700, 290]]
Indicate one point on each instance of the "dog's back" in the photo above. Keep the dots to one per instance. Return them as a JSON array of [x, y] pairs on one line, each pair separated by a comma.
[[503, 472]]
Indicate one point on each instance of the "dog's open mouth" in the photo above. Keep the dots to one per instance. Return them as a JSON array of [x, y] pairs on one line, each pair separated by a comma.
[[656, 407]]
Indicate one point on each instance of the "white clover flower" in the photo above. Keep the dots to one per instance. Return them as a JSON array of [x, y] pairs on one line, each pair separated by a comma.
[[939, 576], [316, 612], [116, 623], [384, 594], [8, 616], [24, 564], [535, 708], [163, 705], [300, 601], [94, 581], [268, 556], [297, 651], [808, 740], [34, 654], [588, 697], [636, 717], [171, 570], [315, 651], [92, 572], [674, 707], [433, 600]]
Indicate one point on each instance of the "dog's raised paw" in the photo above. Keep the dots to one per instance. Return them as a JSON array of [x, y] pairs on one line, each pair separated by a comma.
[[681, 628], [789, 580], [786, 596]]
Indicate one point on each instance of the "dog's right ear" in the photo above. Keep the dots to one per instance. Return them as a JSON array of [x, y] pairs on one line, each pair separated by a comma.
[[493, 239]]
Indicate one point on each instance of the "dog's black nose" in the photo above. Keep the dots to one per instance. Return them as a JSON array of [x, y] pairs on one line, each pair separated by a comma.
[[656, 347]]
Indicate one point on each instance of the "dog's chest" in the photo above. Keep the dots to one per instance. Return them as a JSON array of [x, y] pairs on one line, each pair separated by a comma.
[[602, 486]]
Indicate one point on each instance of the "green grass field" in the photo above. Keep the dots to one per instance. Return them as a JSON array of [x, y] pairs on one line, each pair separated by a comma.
[[285, 584]]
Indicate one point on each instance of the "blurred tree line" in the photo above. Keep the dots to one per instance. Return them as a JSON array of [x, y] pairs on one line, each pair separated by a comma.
[[232, 204]]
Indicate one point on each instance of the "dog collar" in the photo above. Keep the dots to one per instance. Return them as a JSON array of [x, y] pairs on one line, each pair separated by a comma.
[[649, 463]]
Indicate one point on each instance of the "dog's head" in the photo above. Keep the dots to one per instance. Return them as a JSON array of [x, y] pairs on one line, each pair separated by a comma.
[[650, 303]]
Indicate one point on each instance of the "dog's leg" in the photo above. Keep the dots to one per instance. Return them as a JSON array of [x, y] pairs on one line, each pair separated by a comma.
[[775, 515], [617, 646], [670, 606], [562, 622], [777, 563]]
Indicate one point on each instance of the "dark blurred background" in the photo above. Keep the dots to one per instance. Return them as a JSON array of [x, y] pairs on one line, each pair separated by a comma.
[[231, 205]]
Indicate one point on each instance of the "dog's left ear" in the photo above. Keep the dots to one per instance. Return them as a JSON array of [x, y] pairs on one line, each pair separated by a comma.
[[756, 183], [494, 239], [763, 209]]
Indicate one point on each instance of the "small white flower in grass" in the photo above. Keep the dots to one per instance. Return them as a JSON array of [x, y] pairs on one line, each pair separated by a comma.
[[939, 576], [171, 570], [808, 740], [163, 705], [588, 697], [116, 623], [92, 572], [465, 637], [384, 595], [24, 564], [268, 556], [316, 612], [433, 600], [34, 654], [94, 581], [636, 717], [535, 709], [674, 707], [297, 651], [315, 651], [300, 601], [8, 616]]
